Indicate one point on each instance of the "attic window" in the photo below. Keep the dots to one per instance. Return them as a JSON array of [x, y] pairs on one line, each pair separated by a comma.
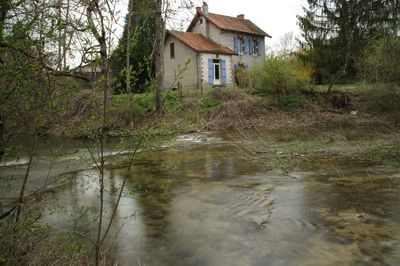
[[172, 49], [201, 21]]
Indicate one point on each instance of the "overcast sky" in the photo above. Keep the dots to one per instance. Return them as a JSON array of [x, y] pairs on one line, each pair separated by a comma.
[[276, 17]]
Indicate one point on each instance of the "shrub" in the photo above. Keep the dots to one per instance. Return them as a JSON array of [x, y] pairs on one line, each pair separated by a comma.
[[242, 78], [381, 61], [126, 109], [281, 75], [210, 102], [30, 242]]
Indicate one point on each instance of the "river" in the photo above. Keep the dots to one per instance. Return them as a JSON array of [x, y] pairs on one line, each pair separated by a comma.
[[214, 199]]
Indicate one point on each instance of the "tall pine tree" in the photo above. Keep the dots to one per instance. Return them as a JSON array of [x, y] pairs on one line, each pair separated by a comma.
[[336, 32], [142, 36]]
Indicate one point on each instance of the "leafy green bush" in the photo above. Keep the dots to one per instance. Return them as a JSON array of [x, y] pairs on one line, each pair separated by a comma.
[[381, 61], [210, 102], [129, 109], [242, 78], [171, 99], [280, 75]]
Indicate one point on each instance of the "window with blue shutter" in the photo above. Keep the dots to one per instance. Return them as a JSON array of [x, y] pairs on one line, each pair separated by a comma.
[[210, 71], [251, 50], [223, 71], [246, 44], [235, 44], [257, 47]]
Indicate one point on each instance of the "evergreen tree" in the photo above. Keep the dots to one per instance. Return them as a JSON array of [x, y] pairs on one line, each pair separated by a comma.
[[142, 35], [336, 32]]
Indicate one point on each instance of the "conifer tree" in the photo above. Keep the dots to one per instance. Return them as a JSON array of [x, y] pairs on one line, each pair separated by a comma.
[[336, 32], [141, 38]]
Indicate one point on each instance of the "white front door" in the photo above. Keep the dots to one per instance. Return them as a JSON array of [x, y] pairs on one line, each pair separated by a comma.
[[217, 72]]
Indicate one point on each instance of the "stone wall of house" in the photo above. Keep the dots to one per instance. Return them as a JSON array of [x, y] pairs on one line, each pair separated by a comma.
[[183, 53]]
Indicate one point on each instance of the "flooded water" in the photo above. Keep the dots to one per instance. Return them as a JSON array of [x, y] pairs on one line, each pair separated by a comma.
[[204, 199]]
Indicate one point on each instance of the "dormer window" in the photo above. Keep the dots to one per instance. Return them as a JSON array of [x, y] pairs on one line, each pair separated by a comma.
[[172, 49]]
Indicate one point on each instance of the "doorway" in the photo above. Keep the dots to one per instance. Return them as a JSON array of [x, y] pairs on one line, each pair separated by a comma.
[[217, 71]]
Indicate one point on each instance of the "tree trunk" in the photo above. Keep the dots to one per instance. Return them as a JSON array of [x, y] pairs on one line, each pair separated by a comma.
[[4, 7], [128, 48], [65, 44], [396, 17], [100, 34], [60, 37], [2, 144], [159, 58]]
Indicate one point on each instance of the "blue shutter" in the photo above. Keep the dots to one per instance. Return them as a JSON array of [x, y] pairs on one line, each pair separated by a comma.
[[259, 48], [246, 66], [223, 71], [210, 72], [235, 44], [251, 46], [246, 44]]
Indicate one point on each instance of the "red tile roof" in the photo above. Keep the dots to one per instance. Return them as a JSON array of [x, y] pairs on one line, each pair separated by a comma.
[[231, 24], [200, 43]]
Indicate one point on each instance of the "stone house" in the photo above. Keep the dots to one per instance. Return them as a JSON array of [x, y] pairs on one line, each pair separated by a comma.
[[215, 47]]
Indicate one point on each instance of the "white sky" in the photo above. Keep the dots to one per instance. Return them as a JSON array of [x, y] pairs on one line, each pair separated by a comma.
[[276, 17]]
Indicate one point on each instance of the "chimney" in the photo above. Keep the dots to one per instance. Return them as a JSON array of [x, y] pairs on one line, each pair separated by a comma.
[[241, 16], [205, 8], [198, 9]]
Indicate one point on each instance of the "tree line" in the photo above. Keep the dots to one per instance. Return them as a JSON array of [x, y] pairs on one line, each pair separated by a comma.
[[346, 40]]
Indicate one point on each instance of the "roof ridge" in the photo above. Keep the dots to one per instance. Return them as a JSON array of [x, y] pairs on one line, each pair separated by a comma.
[[230, 16]]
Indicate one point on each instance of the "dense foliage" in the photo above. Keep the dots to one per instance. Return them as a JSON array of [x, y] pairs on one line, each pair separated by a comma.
[[281, 75], [335, 33], [380, 61], [142, 36]]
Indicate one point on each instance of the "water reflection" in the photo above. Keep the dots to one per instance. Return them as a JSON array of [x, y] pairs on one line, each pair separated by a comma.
[[202, 204]]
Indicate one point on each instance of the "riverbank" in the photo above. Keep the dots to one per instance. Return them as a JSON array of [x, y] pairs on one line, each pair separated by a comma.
[[228, 108], [229, 135]]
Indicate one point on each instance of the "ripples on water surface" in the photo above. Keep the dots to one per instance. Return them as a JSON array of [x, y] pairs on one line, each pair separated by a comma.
[[197, 202]]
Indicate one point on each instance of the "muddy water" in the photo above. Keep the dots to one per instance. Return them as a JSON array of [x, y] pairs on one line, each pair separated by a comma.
[[199, 201]]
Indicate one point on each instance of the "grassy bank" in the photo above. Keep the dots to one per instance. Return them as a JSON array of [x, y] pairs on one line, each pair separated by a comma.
[[224, 108]]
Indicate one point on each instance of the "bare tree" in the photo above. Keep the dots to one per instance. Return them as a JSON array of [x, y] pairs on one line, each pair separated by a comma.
[[128, 47], [159, 52], [165, 11]]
